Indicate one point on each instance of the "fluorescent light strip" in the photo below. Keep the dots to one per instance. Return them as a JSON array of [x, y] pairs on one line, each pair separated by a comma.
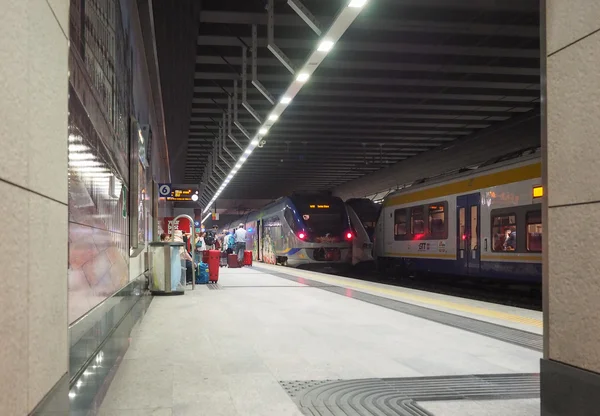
[[205, 218], [340, 24]]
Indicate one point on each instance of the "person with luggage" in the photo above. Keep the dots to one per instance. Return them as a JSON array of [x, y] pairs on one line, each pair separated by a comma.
[[240, 243], [209, 239], [230, 238], [200, 247]]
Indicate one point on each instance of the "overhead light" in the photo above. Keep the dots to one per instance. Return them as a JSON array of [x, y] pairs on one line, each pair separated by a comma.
[[243, 158], [273, 117], [263, 131], [81, 156], [194, 197], [357, 3], [326, 46], [205, 218], [238, 165], [285, 100], [78, 148], [303, 77], [247, 152], [255, 142]]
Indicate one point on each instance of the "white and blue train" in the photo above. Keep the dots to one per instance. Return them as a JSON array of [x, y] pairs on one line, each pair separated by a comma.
[[299, 230], [484, 222]]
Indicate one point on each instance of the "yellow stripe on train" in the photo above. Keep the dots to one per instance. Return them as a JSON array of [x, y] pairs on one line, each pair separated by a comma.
[[469, 185]]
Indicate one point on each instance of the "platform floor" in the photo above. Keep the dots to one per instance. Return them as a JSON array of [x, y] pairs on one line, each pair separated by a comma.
[[262, 342]]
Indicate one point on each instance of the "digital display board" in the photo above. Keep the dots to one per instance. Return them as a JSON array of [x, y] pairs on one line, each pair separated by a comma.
[[318, 206], [182, 195]]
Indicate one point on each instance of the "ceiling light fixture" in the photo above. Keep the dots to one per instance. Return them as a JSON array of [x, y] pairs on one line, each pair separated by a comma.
[[285, 100], [325, 46], [263, 131], [273, 117], [255, 142], [357, 4], [303, 77]]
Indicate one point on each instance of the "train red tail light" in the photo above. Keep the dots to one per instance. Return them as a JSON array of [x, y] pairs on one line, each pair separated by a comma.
[[349, 236], [301, 235]]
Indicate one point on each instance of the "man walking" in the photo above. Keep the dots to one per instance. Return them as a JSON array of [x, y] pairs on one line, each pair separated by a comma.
[[240, 243]]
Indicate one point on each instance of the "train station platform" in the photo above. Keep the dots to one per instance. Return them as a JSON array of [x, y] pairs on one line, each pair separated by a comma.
[[278, 341]]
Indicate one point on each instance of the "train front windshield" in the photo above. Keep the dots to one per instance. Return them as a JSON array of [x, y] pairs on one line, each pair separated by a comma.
[[324, 219]]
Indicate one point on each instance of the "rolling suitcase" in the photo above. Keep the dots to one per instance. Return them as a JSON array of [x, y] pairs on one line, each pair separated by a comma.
[[232, 261], [247, 258], [223, 261], [214, 259]]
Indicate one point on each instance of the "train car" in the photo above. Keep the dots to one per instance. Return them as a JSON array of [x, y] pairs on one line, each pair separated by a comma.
[[483, 222], [299, 230]]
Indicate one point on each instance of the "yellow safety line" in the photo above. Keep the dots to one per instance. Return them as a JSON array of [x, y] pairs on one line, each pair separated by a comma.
[[443, 303]]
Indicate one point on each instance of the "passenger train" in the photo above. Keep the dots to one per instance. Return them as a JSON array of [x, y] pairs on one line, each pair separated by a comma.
[[299, 230], [484, 222]]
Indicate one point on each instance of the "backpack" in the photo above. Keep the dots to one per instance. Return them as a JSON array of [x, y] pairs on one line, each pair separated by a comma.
[[209, 238]]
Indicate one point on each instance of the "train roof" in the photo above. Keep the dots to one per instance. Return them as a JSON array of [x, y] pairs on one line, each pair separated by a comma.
[[525, 156]]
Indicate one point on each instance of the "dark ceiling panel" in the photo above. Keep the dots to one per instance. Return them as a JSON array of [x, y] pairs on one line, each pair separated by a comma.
[[408, 76]]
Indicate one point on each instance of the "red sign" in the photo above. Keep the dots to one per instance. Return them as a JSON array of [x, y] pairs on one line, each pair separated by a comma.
[[182, 224]]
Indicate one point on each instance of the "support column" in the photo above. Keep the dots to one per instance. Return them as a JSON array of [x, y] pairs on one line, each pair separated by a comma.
[[33, 204], [570, 369]]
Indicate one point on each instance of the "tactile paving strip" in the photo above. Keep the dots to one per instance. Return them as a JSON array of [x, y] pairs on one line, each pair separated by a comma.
[[214, 286], [488, 329], [400, 396]]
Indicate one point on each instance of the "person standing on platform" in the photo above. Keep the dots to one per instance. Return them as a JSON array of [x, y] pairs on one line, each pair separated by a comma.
[[240, 243], [230, 237]]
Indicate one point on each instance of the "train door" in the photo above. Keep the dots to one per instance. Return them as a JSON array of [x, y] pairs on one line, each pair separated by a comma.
[[468, 233]]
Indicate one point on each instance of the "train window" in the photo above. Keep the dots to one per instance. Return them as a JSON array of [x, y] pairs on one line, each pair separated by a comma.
[[417, 220], [437, 220], [474, 229], [290, 219], [399, 224], [504, 232], [534, 231]]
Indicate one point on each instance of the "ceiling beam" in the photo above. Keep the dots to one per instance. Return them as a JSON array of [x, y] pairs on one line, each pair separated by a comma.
[[381, 66], [483, 106], [487, 95], [395, 25], [388, 47], [379, 81]]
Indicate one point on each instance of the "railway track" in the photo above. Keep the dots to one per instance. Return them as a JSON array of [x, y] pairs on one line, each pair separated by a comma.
[[517, 295]]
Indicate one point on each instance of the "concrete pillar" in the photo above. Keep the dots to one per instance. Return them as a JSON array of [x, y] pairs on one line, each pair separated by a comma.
[[33, 202], [570, 370]]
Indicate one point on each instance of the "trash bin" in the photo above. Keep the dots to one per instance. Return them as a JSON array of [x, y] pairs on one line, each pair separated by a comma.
[[168, 269]]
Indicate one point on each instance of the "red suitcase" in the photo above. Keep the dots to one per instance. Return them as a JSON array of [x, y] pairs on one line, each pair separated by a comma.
[[232, 261], [214, 258], [247, 258]]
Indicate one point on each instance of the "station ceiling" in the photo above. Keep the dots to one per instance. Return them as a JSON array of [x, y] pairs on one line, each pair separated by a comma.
[[407, 77]]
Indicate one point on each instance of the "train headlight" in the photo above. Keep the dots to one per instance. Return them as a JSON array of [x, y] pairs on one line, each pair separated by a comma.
[[301, 235]]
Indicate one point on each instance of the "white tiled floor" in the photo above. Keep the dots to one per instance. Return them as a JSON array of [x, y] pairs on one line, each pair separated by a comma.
[[223, 352], [484, 311]]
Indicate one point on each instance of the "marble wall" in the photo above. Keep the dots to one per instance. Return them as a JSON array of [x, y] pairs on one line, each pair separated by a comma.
[[33, 207]]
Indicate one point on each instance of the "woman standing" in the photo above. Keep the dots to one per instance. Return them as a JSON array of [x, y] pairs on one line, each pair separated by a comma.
[[200, 247]]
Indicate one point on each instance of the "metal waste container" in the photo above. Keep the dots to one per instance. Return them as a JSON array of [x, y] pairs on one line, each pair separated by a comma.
[[168, 269]]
